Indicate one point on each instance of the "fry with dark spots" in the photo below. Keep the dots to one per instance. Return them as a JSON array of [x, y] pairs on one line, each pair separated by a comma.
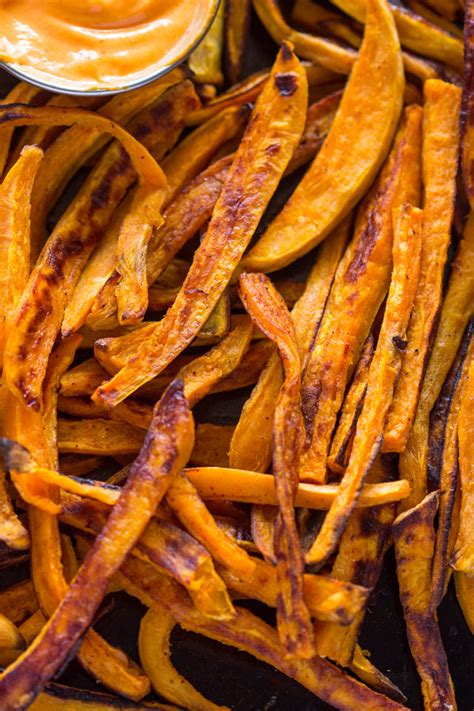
[[383, 372], [251, 445], [268, 311], [456, 310], [440, 163], [276, 125], [99, 436], [359, 288], [350, 157], [22, 93], [166, 449], [414, 539], [248, 633]]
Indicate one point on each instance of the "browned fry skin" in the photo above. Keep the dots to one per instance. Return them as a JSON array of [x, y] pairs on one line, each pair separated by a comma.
[[414, 539], [359, 288], [467, 146], [269, 313], [359, 561], [341, 444], [165, 451], [251, 446], [237, 18], [463, 558], [21, 93], [383, 373], [448, 468], [57, 698], [274, 130], [248, 633], [440, 164]]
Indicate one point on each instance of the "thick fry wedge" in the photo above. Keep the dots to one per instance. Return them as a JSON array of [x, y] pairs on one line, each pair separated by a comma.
[[440, 162], [237, 18], [155, 655], [463, 558], [251, 446], [359, 561], [100, 437], [350, 157], [268, 311], [341, 444], [414, 547], [383, 372], [248, 633], [278, 121], [167, 447], [467, 147], [455, 313], [359, 288]]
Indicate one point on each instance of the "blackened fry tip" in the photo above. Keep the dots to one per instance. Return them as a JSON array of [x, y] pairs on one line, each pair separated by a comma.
[[399, 343], [286, 84]]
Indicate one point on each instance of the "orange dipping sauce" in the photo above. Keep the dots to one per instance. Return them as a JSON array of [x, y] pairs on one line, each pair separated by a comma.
[[83, 45]]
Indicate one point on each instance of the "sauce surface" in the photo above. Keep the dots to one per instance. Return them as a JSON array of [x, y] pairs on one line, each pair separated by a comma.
[[98, 44]]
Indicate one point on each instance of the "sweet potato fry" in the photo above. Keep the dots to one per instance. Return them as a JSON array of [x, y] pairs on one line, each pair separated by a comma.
[[359, 288], [22, 93], [249, 369], [248, 633], [465, 595], [383, 373], [359, 561], [100, 437], [166, 449], [414, 547], [341, 444], [318, 49], [363, 668], [251, 446], [77, 465], [211, 445], [187, 505], [218, 323], [74, 147], [463, 558], [455, 313], [206, 61], [236, 23], [32, 626], [327, 598], [349, 159], [440, 138], [18, 601], [269, 313], [64, 698], [278, 121], [11, 641], [155, 656]]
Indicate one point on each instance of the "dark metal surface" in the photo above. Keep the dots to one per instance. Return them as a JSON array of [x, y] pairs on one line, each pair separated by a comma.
[[237, 680]]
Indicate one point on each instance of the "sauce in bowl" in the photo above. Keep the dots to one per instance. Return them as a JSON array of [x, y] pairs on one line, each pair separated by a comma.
[[84, 45]]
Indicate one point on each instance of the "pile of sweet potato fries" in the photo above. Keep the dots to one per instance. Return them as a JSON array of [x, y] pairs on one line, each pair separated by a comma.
[[135, 244]]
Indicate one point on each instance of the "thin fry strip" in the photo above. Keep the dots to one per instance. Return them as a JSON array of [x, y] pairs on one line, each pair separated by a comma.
[[251, 445], [237, 19], [349, 158], [383, 372], [268, 311], [463, 558], [155, 655], [99, 436], [168, 445], [440, 163], [22, 93], [448, 478], [455, 313], [414, 547], [359, 288], [278, 121], [248, 633], [341, 444]]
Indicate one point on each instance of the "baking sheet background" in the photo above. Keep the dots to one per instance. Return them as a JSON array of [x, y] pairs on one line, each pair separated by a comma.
[[236, 679]]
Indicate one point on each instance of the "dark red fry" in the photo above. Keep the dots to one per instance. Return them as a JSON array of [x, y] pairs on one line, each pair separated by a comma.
[[268, 311]]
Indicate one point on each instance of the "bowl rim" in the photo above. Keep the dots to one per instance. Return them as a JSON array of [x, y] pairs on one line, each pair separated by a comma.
[[18, 71]]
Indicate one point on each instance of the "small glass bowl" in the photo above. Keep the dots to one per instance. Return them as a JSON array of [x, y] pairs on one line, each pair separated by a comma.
[[27, 74]]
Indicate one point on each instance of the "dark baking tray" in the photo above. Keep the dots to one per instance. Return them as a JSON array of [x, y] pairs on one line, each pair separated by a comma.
[[236, 679]]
